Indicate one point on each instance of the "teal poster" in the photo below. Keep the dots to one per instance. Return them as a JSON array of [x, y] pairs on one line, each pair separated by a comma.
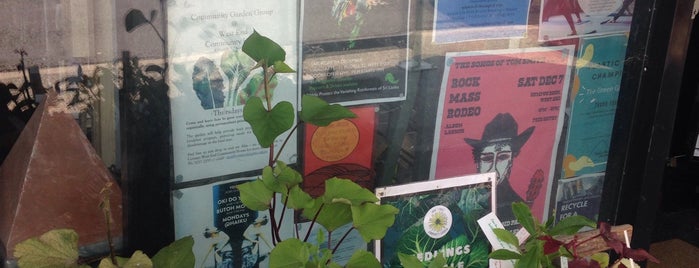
[[438, 217], [593, 104]]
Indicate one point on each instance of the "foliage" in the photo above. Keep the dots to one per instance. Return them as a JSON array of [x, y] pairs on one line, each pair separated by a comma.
[[540, 249], [343, 201], [58, 248]]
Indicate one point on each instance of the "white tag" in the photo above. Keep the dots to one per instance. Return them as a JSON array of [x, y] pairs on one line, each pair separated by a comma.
[[564, 262], [522, 235], [488, 223]]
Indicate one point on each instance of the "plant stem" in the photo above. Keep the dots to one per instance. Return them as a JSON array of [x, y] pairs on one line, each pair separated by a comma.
[[313, 222], [341, 239], [288, 137]]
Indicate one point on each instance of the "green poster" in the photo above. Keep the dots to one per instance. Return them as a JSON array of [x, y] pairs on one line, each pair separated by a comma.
[[438, 217]]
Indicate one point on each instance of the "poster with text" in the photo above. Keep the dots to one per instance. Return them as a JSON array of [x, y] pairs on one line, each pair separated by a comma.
[[502, 111], [210, 80], [225, 232], [355, 51], [343, 149], [465, 20], [593, 102], [579, 195], [438, 217], [563, 19]]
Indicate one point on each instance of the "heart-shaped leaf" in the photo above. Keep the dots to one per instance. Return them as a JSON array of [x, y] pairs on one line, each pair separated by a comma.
[[346, 191], [363, 259], [524, 216], [291, 252], [316, 111], [263, 50], [298, 199], [176, 255], [332, 215], [268, 125], [506, 236], [55, 248], [571, 225], [255, 195], [372, 220], [134, 19]]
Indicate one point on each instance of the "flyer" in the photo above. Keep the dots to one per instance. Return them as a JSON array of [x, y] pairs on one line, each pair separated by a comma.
[[593, 104], [343, 149], [354, 51], [502, 111], [438, 216], [579, 195], [564, 19], [225, 232], [459, 20], [210, 79]]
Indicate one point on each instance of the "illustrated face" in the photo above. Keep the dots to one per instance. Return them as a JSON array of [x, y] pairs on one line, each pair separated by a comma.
[[498, 158]]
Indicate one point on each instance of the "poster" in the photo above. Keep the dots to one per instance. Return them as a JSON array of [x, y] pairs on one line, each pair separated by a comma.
[[459, 20], [354, 51], [563, 19], [438, 216], [502, 111], [343, 149], [210, 80], [580, 195], [593, 103], [225, 232]]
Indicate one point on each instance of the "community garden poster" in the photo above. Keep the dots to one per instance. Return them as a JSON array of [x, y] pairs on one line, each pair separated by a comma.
[[210, 80], [502, 111], [355, 52]]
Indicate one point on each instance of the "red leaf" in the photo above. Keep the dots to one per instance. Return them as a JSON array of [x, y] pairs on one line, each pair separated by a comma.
[[583, 263], [638, 255], [550, 245]]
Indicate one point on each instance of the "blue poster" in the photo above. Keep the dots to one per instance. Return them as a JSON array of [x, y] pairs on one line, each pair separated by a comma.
[[464, 20], [594, 96]]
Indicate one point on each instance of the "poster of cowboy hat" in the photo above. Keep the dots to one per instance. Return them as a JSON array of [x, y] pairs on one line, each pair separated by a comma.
[[438, 216], [225, 232], [502, 111]]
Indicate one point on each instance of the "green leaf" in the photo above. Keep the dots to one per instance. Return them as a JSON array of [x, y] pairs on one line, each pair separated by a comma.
[[138, 260], [363, 259], [287, 176], [255, 195], [533, 256], [506, 236], [372, 220], [571, 225], [262, 49], [332, 215], [270, 180], [134, 19], [409, 261], [346, 191], [178, 254], [298, 199], [524, 216], [438, 262], [316, 111], [55, 248], [268, 125], [504, 254], [290, 253], [282, 67], [602, 258]]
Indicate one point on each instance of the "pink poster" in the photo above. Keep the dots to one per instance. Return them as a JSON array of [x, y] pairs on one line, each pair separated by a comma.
[[502, 111]]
